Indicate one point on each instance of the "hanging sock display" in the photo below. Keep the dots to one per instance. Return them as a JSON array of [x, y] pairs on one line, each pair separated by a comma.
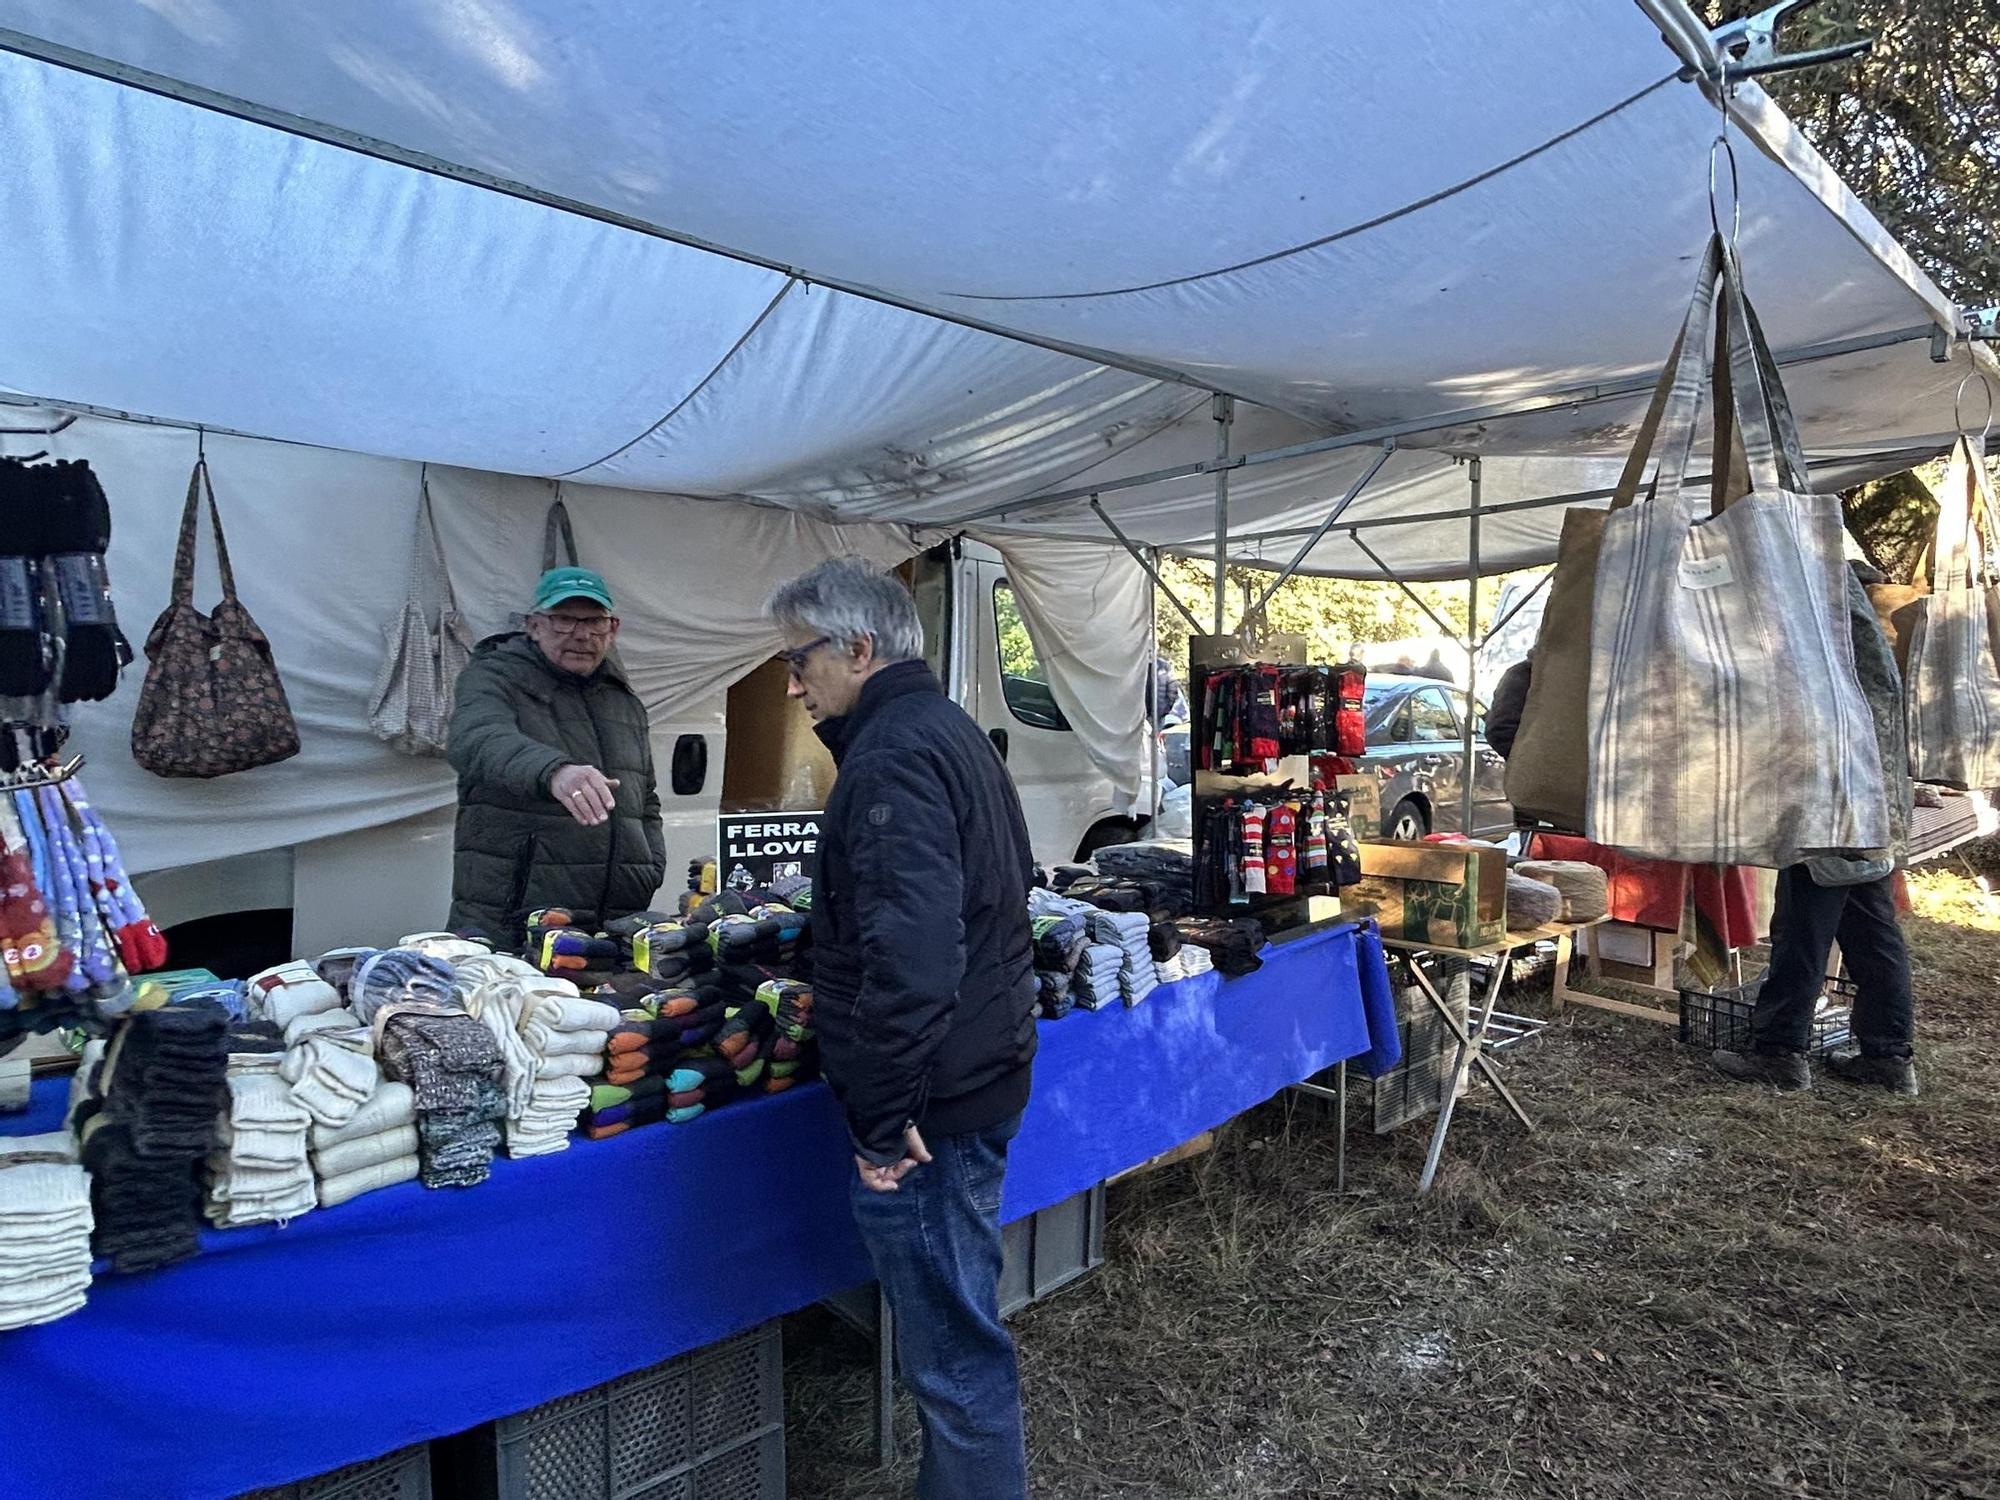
[[26, 649], [1281, 851], [76, 534]]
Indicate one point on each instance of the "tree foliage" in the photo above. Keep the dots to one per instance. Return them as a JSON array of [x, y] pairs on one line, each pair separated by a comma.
[[1913, 127]]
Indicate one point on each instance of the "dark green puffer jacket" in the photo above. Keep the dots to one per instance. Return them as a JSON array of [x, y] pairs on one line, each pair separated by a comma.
[[519, 719]]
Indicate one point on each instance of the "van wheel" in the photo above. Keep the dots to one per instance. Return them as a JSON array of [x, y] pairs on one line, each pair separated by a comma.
[[1407, 821], [1102, 835]]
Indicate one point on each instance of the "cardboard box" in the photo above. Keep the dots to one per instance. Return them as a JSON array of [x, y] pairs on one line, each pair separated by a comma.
[[1364, 804], [1449, 895], [773, 761]]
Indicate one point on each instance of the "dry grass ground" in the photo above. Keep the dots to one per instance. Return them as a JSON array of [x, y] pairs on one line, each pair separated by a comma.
[[1678, 1287]]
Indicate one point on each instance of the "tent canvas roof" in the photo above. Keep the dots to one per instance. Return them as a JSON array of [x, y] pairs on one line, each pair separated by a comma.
[[931, 269]]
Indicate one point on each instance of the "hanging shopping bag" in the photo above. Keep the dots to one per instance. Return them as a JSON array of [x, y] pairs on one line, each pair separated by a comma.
[[411, 704], [1952, 678], [212, 703], [1726, 722]]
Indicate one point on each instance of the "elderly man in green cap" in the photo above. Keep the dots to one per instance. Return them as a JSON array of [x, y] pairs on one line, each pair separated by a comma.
[[557, 805]]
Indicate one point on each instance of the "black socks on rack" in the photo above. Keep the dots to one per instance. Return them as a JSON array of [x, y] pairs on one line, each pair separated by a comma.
[[76, 535], [26, 649], [56, 528]]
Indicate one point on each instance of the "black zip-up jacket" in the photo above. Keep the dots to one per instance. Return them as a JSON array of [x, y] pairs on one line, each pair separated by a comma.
[[923, 961], [516, 720]]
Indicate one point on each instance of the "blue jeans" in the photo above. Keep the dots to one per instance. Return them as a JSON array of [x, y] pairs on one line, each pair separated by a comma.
[[935, 1245]]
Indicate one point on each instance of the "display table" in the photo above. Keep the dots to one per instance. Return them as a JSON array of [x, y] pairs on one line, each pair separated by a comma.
[[408, 1314]]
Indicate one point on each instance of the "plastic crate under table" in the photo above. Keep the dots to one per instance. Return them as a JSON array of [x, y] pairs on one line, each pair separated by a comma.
[[1721, 1019]]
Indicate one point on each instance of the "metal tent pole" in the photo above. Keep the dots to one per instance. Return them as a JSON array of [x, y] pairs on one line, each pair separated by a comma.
[[1140, 557], [1224, 410], [1468, 768]]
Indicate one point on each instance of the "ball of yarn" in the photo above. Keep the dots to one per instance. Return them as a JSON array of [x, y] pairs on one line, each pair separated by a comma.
[[1585, 890], [1531, 903]]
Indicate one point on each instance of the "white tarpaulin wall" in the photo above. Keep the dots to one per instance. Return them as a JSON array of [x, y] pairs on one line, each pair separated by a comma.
[[321, 543], [1353, 217]]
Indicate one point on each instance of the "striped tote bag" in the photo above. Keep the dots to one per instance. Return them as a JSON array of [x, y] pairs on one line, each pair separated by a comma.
[[1953, 675], [1726, 722]]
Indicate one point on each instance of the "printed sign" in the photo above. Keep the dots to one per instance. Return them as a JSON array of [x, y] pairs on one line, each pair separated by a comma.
[[758, 848]]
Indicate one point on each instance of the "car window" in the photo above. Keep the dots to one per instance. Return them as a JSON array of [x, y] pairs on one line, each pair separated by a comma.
[[1431, 717], [1023, 680]]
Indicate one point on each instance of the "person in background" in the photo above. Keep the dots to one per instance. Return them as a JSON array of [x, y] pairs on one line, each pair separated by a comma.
[[1510, 696], [557, 804], [925, 999], [1167, 704], [1435, 667], [1404, 666], [1849, 900]]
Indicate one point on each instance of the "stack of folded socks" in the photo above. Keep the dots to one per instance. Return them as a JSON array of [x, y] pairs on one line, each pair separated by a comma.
[[454, 1068], [615, 1108], [295, 999], [1165, 863], [1060, 939], [567, 1036], [376, 1148], [1097, 976], [1128, 932], [795, 1048], [147, 1122], [1232, 943], [769, 934], [746, 1039], [449, 946], [672, 951], [258, 1170], [332, 1072], [1189, 960], [558, 945], [699, 1082], [44, 1229]]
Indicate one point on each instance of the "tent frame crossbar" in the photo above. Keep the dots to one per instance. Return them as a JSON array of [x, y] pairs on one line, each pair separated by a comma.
[[1139, 556], [1312, 541], [1574, 396]]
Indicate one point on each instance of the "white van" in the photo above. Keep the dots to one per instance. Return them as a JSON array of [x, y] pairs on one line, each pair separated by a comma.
[[376, 884]]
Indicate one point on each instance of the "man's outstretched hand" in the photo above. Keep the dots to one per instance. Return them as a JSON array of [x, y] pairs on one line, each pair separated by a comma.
[[585, 792], [889, 1179]]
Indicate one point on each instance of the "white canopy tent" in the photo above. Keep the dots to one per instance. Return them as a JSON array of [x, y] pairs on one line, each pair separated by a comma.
[[922, 266], [935, 266]]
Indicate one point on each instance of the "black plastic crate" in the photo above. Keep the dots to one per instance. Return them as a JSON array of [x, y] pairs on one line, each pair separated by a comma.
[[402, 1475], [709, 1425], [1721, 1018], [1046, 1251]]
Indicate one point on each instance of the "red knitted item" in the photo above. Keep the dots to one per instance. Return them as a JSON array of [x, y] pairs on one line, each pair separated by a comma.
[[1280, 851]]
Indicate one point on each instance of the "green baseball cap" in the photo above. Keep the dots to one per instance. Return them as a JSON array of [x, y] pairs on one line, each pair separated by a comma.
[[559, 584]]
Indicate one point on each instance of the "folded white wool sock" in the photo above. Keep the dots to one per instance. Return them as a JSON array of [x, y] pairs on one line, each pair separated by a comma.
[[329, 1078], [520, 1146], [575, 1043], [367, 1151], [579, 1065], [51, 1145], [389, 1106], [289, 991], [37, 1190], [338, 1019], [497, 1005], [260, 1199], [448, 946], [549, 1012], [336, 1190], [43, 1299]]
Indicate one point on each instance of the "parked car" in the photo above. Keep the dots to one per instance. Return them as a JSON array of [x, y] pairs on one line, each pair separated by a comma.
[[1416, 744]]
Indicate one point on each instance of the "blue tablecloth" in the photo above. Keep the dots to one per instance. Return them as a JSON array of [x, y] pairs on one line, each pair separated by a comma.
[[408, 1314]]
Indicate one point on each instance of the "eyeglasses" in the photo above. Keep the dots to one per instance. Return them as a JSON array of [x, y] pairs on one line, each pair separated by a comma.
[[795, 660], [593, 625]]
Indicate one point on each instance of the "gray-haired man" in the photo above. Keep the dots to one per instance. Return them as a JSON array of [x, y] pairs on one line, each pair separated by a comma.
[[925, 993]]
